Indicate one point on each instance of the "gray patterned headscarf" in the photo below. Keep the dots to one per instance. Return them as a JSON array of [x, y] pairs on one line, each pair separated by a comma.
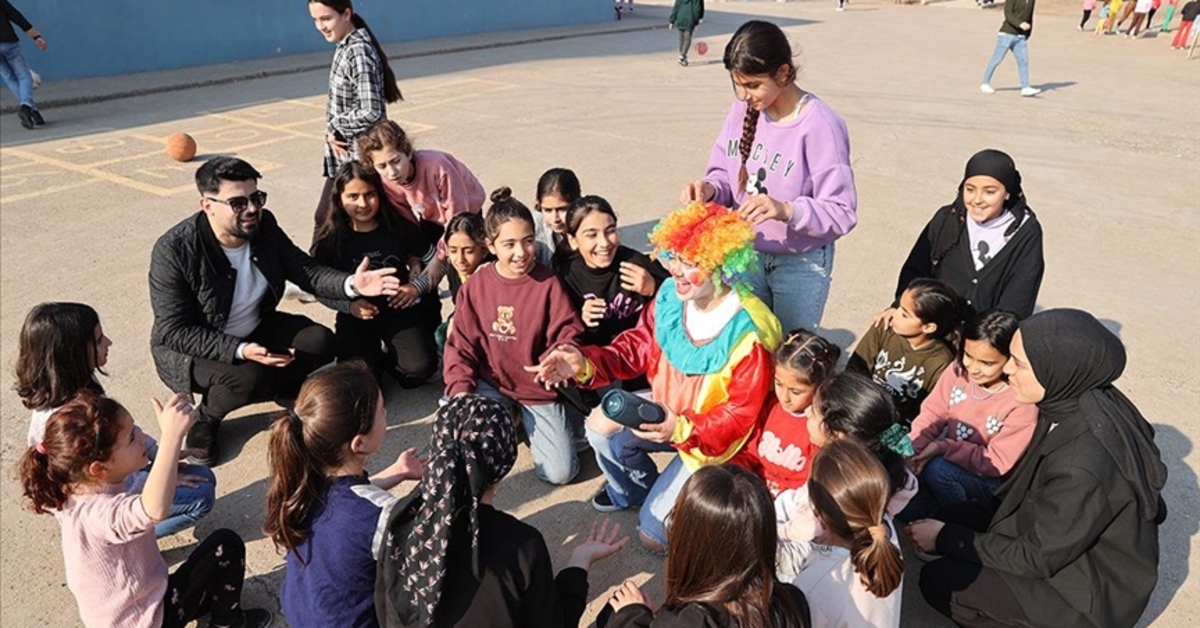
[[474, 445]]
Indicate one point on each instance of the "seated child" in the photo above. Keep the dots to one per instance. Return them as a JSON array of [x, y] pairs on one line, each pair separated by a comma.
[[511, 313], [971, 430], [557, 188], [853, 573], [321, 506], [114, 568], [466, 250], [61, 350], [908, 355], [704, 343]]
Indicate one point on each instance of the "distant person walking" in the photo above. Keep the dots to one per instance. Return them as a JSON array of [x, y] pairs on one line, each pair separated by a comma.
[[360, 84], [13, 70], [685, 16], [1014, 35]]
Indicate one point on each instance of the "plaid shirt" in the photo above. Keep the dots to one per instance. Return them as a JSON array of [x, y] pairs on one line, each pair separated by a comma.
[[355, 94]]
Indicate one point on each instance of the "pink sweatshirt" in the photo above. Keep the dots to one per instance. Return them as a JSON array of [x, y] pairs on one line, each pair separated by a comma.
[[442, 188], [113, 565], [806, 162], [984, 436]]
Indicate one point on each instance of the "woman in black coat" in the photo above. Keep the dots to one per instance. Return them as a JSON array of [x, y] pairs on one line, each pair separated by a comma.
[[987, 244], [1072, 538]]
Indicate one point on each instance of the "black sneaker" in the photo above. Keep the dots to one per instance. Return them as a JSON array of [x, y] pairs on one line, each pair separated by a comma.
[[203, 436], [251, 618], [38, 120], [603, 502], [25, 113]]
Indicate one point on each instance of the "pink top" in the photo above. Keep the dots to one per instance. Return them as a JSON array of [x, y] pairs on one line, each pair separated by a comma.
[[113, 565], [441, 188], [1088, 5], [986, 433]]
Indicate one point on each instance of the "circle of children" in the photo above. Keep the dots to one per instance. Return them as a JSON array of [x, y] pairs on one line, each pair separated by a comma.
[[1114, 14], [990, 436]]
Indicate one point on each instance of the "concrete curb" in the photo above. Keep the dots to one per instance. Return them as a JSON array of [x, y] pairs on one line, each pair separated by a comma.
[[68, 101]]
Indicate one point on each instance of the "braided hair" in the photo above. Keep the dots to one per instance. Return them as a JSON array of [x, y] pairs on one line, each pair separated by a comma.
[[810, 356], [757, 48]]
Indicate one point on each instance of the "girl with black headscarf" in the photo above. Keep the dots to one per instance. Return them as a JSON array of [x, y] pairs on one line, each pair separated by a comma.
[[987, 244], [451, 559], [1072, 538]]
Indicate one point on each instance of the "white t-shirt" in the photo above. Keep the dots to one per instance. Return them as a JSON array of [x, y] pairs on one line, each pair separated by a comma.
[[248, 292], [708, 325], [837, 596]]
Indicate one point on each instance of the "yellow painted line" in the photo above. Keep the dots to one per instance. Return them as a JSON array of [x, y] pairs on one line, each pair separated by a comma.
[[44, 191], [266, 126], [93, 172]]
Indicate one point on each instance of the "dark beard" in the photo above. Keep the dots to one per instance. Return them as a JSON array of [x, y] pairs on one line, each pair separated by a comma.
[[242, 232]]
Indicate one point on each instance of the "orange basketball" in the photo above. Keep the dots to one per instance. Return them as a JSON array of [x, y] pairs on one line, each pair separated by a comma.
[[181, 147], [701, 48]]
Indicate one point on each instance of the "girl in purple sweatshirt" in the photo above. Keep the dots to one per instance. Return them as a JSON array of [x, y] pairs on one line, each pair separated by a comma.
[[971, 430], [783, 160]]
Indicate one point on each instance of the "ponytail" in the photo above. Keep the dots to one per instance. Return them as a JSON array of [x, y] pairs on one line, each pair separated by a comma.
[[391, 91], [81, 432], [877, 560], [746, 143], [296, 485], [335, 404]]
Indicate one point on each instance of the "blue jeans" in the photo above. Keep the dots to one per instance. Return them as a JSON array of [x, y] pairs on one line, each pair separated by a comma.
[[551, 437], [15, 73], [634, 479], [944, 483], [190, 504], [1019, 45], [795, 285]]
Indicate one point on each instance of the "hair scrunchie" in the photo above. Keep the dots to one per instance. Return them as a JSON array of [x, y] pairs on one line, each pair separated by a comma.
[[896, 439]]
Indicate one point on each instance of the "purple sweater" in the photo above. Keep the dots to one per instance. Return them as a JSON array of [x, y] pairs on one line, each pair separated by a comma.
[[806, 163]]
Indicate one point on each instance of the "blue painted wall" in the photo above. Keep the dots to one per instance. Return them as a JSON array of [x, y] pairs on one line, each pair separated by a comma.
[[105, 37]]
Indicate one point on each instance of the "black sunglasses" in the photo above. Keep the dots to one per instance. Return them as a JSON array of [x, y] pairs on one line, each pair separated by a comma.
[[240, 204]]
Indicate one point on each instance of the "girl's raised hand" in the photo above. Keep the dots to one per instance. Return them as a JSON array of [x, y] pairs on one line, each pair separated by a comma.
[[701, 190], [628, 594], [601, 542], [560, 365], [760, 208], [593, 312], [175, 418], [634, 278]]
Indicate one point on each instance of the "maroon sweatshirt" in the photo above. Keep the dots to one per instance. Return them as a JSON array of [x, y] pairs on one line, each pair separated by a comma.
[[502, 325]]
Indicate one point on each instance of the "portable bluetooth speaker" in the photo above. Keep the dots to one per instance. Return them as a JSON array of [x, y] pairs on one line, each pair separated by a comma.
[[629, 409]]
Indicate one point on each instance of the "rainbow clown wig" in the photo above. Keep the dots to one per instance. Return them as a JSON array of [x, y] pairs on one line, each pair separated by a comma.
[[711, 237]]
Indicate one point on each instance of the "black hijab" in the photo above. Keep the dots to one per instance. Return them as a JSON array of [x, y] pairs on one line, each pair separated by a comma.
[[999, 166], [1076, 359], [474, 445]]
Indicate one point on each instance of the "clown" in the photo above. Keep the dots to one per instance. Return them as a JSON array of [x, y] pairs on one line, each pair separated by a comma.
[[705, 346]]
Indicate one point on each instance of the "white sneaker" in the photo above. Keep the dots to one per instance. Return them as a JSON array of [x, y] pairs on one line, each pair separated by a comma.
[[987, 89], [1030, 91]]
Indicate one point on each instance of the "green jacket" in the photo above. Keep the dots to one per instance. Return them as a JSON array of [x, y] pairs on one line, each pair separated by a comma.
[[1015, 12], [686, 14]]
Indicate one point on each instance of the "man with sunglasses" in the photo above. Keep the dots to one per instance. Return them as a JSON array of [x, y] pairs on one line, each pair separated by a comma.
[[216, 279]]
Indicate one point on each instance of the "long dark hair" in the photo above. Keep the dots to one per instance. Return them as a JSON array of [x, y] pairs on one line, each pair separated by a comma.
[[757, 48], [808, 355], [849, 492], [327, 246], [56, 354], [995, 327], [723, 537], [335, 404], [934, 301], [391, 91], [81, 432], [580, 208], [855, 406]]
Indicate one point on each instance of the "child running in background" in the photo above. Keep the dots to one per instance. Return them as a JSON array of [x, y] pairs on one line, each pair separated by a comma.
[[685, 16], [391, 334], [321, 506], [848, 405], [907, 356], [971, 430], [1165, 27], [780, 450], [1188, 16], [557, 188], [113, 566], [853, 575], [61, 349], [466, 247], [511, 313], [1088, 6], [608, 283], [720, 571]]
